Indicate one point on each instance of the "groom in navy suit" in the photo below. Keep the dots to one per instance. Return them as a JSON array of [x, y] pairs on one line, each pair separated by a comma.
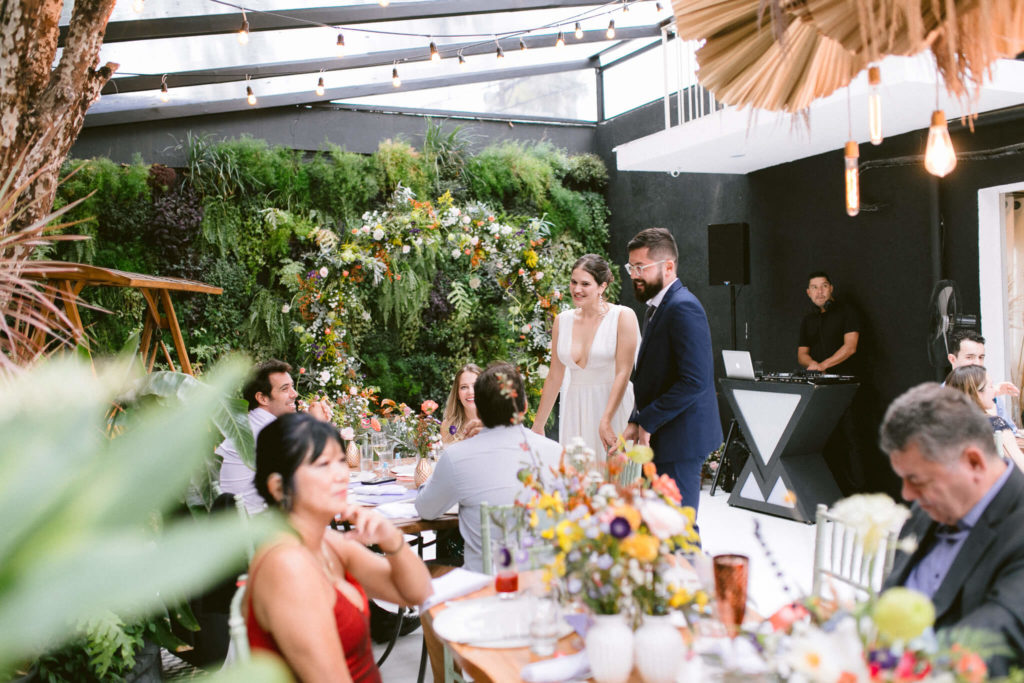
[[674, 382]]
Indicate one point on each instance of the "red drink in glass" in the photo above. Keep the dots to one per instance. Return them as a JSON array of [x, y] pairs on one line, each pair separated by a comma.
[[506, 582]]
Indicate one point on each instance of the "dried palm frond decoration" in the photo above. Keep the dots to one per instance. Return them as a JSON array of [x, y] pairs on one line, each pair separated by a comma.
[[780, 55], [31, 323]]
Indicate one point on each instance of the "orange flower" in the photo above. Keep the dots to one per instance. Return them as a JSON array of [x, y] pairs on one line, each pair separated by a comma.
[[641, 546], [666, 486], [630, 514], [374, 424], [650, 471], [971, 668]]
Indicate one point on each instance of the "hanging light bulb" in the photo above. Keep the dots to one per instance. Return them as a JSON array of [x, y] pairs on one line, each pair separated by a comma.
[[499, 53], [165, 95], [610, 33], [320, 87], [657, 6], [435, 56], [137, 6], [250, 96], [875, 105], [395, 80], [462, 60], [243, 31], [579, 31], [625, 6], [852, 177], [939, 155], [522, 45], [383, 3], [340, 45], [560, 40]]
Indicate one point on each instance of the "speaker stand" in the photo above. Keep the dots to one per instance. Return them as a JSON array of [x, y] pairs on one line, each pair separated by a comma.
[[732, 313]]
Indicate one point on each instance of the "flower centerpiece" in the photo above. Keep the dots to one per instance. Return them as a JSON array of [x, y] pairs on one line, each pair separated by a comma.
[[416, 432], [617, 547]]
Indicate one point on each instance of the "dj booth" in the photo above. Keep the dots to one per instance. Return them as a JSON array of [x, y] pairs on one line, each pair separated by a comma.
[[787, 419]]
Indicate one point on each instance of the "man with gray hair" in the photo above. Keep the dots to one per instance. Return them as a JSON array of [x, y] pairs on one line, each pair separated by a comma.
[[968, 516]]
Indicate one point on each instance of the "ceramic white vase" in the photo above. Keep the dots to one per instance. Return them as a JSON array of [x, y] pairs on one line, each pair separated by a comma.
[[610, 648], [658, 650]]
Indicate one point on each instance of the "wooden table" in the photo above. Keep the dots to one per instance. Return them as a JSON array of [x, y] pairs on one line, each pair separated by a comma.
[[501, 665], [70, 278]]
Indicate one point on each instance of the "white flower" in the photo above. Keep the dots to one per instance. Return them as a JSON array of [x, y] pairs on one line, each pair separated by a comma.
[[348, 433], [872, 515], [465, 220], [286, 308], [542, 371], [323, 271], [474, 282], [526, 328], [405, 248], [366, 315], [378, 234], [539, 275], [324, 376], [474, 240], [353, 390], [366, 229], [662, 520], [456, 253], [456, 211]]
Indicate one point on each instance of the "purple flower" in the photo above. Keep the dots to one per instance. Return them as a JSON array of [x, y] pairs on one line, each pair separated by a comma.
[[504, 558], [619, 528], [605, 562], [575, 585], [452, 429]]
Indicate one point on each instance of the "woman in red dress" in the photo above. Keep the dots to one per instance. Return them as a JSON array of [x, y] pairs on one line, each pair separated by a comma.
[[307, 596]]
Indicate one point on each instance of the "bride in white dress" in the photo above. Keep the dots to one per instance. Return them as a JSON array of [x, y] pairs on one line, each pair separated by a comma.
[[593, 347]]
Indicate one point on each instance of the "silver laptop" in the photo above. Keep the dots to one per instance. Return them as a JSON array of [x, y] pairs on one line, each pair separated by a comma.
[[738, 364]]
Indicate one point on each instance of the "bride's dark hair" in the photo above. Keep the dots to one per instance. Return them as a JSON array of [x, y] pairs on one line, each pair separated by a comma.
[[596, 266]]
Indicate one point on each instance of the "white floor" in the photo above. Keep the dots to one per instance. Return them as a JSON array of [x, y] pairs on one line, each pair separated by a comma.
[[723, 529]]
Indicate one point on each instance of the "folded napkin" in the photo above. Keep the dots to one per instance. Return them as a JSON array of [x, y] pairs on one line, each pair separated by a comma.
[[398, 510], [379, 489], [455, 584], [566, 668], [367, 499]]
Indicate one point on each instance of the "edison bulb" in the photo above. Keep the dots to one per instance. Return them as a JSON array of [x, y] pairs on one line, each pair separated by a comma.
[[874, 105], [852, 178], [939, 155]]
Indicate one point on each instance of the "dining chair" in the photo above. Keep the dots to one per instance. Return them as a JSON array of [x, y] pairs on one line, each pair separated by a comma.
[[506, 518], [238, 646], [839, 557]]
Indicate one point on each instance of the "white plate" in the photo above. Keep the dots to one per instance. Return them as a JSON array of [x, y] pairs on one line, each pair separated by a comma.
[[404, 470], [490, 622]]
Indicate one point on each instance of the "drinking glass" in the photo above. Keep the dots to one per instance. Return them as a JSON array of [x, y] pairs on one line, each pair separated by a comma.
[[366, 460], [544, 626], [506, 574], [731, 573], [379, 444]]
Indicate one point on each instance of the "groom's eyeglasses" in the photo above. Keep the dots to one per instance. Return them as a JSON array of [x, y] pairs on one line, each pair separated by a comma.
[[632, 270]]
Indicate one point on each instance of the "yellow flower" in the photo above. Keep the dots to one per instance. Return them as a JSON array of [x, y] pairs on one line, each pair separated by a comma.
[[630, 514], [568, 533], [680, 598], [530, 258], [534, 520], [643, 547], [547, 534], [701, 599]]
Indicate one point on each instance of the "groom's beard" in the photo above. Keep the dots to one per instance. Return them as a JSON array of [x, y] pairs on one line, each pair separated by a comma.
[[645, 291]]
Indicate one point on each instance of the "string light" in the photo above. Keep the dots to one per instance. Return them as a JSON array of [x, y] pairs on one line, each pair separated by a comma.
[[250, 96], [320, 87], [137, 6], [384, 3], [522, 45], [243, 32], [499, 53], [579, 31], [625, 6], [462, 60], [852, 177], [875, 105], [939, 155], [165, 95], [560, 41], [658, 7], [435, 56], [610, 33], [340, 45], [395, 80]]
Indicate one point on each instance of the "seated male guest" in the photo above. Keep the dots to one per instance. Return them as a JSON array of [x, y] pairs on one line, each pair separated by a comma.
[[968, 516], [483, 468], [270, 393]]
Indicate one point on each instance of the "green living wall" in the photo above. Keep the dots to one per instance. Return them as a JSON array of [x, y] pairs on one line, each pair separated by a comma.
[[376, 275]]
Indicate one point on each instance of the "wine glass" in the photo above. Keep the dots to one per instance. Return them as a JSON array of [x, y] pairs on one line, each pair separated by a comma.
[[731, 573]]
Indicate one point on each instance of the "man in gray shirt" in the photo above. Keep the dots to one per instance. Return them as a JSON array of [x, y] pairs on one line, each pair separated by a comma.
[[967, 516], [484, 468]]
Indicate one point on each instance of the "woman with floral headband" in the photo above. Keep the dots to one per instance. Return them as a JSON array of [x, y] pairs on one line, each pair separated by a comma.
[[460, 418]]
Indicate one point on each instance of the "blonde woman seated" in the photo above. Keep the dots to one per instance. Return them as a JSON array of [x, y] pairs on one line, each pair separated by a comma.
[[308, 592], [460, 419], [975, 382]]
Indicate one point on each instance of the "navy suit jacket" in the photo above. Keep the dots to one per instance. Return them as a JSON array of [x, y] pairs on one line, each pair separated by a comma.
[[674, 381], [984, 588]]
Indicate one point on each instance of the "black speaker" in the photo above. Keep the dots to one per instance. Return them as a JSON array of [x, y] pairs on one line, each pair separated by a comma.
[[728, 254]]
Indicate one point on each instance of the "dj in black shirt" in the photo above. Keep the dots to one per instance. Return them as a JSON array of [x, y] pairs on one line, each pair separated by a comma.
[[828, 334]]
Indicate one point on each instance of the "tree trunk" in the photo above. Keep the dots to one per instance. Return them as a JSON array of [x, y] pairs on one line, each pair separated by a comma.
[[42, 107]]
